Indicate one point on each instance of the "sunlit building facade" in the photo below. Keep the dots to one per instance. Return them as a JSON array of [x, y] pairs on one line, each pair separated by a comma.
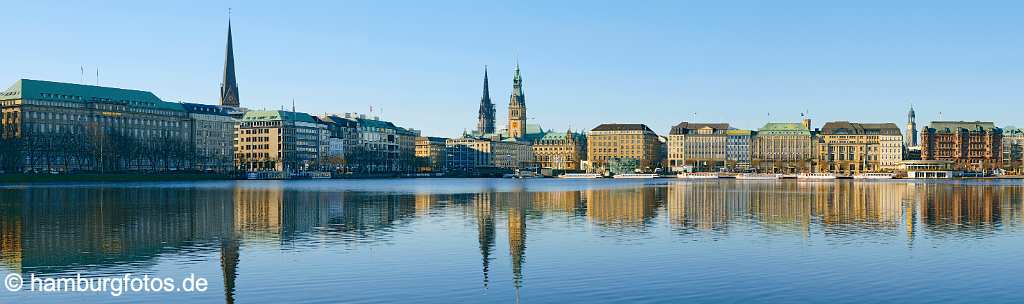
[[972, 146], [623, 141], [851, 148], [784, 148]]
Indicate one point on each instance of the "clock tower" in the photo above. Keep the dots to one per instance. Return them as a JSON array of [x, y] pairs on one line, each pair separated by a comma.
[[517, 107]]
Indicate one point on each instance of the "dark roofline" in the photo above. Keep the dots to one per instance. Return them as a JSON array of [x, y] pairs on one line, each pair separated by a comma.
[[622, 127]]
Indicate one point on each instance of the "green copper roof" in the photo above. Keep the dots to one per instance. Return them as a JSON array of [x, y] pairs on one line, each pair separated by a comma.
[[557, 135], [59, 91], [277, 115], [949, 126], [783, 128]]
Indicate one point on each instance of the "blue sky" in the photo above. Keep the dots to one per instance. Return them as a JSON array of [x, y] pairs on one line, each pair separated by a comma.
[[584, 62]]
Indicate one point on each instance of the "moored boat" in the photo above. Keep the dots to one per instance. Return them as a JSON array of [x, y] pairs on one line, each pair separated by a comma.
[[758, 176], [635, 175], [874, 176], [580, 175], [816, 176], [698, 175]]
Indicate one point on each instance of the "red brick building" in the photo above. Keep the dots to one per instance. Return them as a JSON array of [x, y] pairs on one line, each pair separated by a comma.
[[973, 146]]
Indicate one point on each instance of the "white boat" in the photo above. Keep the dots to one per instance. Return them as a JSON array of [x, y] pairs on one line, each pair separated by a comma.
[[874, 176], [816, 176], [265, 175], [580, 175], [635, 175], [698, 175], [758, 176], [931, 174]]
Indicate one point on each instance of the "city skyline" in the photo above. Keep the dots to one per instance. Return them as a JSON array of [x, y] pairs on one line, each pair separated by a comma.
[[409, 85]]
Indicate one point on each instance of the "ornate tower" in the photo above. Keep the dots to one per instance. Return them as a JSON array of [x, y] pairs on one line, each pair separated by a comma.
[[911, 138], [485, 120], [517, 107], [228, 88]]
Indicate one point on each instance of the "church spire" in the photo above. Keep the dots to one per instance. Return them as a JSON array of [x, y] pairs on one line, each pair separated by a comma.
[[228, 87], [485, 120]]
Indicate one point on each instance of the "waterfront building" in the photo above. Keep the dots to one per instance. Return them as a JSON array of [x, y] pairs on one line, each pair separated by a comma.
[[784, 148], [911, 138], [972, 146], [61, 127], [485, 118], [406, 149], [213, 136], [697, 147], [229, 87], [851, 148], [283, 141], [431, 154], [1013, 150], [517, 108], [738, 144], [615, 141], [383, 147], [561, 150], [485, 155], [343, 135]]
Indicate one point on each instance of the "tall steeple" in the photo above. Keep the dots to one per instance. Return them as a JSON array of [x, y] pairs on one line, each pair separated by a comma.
[[910, 139], [485, 120], [228, 87], [517, 107]]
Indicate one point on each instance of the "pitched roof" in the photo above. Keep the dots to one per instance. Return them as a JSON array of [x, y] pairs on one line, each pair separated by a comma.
[[338, 120], [739, 132], [204, 109], [950, 126], [686, 127], [560, 135], [70, 92], [622, 127], [783, 128], [846, 127], [278, 115]]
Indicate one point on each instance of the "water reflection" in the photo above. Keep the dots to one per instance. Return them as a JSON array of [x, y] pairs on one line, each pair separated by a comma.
[[93, 229]]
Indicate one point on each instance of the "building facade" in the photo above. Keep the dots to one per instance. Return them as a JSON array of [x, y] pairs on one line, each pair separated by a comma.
[[431, 154], [62, 127], [972, 146], [283, 141], [213, 136], [697, 147], [561, 150], [343, 136], [738, 144], [485, 155], [851, 148], [382, 147], [615, 141], [1013, 150], [784, 148]]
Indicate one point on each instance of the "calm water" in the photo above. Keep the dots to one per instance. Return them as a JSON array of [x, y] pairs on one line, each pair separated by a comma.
[[535, 241]]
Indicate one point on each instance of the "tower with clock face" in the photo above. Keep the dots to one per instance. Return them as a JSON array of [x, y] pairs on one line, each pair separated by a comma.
[[517, 107]]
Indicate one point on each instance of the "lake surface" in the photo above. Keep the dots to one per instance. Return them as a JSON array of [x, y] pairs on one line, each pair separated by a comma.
[[532, 241]]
